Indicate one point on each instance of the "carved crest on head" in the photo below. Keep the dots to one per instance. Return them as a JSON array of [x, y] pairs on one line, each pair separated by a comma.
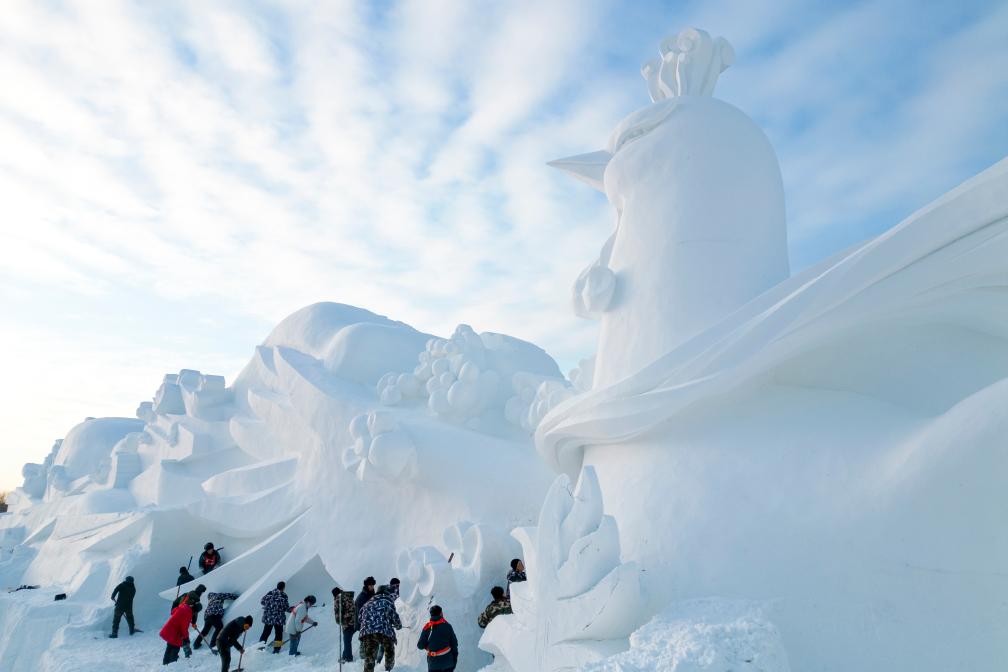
[[689, 65]]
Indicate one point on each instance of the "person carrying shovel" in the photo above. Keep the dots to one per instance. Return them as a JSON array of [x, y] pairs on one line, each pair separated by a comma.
[[296, 623], [229, 637]]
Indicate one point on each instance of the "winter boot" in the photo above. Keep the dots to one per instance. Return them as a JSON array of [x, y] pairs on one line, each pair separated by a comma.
[[114, 635]]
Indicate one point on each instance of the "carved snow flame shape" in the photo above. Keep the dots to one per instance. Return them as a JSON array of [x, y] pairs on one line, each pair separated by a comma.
[[580, 603]]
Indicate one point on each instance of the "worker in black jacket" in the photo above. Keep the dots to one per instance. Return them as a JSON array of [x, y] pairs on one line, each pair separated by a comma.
[[123, 597], [184, 576], [438, 639], [366, 593], [229, 637], [209, 559]]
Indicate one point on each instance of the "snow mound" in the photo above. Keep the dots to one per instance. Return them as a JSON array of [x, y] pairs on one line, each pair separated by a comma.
[[311, 329], [87, 448], [705, 635]]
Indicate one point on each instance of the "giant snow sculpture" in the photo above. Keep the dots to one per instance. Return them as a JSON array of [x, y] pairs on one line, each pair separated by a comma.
[[302, 470], [699, 213], [754, 472], [832, 443]]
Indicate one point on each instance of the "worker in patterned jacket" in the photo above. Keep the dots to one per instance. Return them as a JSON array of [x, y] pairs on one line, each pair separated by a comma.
[[378, 622], [275, 607], [499, 605], [213, 618], [516, 575], [346, 617]]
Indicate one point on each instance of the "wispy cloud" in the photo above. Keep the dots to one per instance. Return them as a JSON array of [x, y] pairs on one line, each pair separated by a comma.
[[176, 177]]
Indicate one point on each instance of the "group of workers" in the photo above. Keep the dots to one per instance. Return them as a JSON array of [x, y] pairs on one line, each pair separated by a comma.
[[372, 614]]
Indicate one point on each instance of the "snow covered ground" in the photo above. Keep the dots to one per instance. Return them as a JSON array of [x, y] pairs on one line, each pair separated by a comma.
[[709, 635], [79, 647]]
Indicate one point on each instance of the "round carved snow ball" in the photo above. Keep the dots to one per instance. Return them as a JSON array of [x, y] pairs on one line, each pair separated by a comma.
[[87, 448]]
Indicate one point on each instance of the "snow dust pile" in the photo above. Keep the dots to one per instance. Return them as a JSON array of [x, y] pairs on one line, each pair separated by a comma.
[[702, 636]]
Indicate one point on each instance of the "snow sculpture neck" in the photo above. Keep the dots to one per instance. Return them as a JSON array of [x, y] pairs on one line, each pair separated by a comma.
[[700, 225]]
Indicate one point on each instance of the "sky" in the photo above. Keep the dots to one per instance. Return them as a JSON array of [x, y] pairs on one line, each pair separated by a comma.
[[178, 176]]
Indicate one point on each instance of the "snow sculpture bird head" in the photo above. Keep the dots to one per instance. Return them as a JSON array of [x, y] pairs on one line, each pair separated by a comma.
[[700, 212], [689, 64]]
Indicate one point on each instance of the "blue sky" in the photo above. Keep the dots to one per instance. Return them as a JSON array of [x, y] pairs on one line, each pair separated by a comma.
[[176, 177]]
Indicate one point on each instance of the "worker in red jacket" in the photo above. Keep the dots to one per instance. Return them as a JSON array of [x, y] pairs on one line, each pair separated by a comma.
[[175, 631]]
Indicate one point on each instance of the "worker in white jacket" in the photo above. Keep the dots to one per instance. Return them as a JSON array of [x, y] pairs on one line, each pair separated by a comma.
[[298, 622]]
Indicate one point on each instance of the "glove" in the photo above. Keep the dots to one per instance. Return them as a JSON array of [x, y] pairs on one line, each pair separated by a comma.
[[240, 649]]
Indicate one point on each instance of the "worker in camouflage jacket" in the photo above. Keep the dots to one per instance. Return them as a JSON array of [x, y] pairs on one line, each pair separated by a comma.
[[196, 594], [378, 622], [275, 607], [499, 605], [346, 616]]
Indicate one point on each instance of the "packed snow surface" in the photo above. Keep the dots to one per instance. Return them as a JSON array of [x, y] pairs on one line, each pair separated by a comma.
[[707, 635], [82, 648]]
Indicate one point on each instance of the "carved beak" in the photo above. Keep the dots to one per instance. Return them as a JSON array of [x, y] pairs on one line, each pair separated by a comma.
[[589, 168]]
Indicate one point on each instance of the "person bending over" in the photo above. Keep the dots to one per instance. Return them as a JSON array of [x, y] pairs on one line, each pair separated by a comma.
[[213, 618], [175, 630], [298, 622], [229, 638], [499, 605]]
